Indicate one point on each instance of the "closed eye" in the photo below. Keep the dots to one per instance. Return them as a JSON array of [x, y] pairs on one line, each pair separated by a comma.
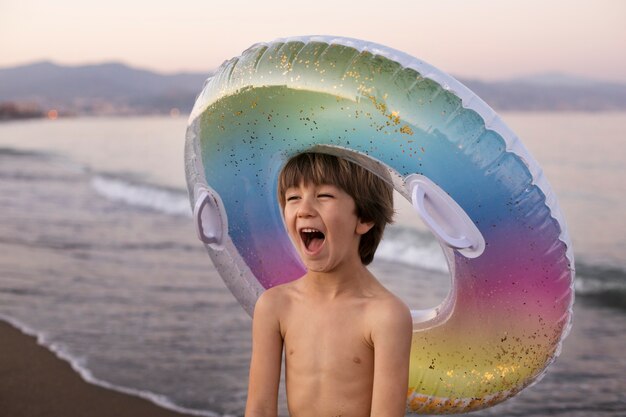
[[292, 197], [325, 196]]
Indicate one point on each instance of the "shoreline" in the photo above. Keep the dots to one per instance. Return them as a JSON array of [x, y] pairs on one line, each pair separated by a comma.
[[34, 381]]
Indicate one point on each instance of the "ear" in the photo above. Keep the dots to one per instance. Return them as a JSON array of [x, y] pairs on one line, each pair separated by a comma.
[[363, 227]]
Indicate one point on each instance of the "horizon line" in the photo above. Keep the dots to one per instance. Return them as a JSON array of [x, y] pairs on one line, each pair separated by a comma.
[[547, 73]]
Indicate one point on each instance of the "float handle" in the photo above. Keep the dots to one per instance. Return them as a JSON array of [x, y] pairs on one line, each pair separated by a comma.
[[209, 216], [444, 217]]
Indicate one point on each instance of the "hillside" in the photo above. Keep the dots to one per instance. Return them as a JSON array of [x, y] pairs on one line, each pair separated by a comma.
[[117, 89], [110, 88]]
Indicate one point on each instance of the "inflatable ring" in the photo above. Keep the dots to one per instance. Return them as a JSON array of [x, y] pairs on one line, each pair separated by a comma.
[[443, 148]]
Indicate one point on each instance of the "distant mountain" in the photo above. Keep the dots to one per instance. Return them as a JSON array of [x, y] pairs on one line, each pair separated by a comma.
[[111, 88], [551, 92], [115, 88], [557, 78]]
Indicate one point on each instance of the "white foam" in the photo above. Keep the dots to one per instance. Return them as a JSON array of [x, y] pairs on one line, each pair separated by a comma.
[[151, 197], [425, 255], [585, 285], [414, 251], [78, 365]]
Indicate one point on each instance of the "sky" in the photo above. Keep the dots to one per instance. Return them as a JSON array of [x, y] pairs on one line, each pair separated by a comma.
[[480, 39]]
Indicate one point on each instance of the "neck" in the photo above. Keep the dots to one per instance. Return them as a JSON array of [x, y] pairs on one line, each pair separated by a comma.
[[346, 280]]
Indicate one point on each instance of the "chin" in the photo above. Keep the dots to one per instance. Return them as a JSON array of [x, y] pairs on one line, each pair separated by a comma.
[[314, 266]]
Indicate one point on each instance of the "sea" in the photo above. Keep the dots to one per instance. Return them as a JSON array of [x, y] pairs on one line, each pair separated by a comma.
[[100, 261]]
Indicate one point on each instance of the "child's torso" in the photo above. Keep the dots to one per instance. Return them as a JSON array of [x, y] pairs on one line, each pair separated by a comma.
[[329, 357]]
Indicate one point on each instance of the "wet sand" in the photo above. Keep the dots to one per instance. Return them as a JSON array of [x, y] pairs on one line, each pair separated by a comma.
[[34, 382]]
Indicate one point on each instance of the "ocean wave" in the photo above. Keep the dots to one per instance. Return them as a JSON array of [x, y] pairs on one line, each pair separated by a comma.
[[413, 248], [598, 284], [401, 244], [168, 201], [602, 285], [13, 152], [78, 365], [591, 279]]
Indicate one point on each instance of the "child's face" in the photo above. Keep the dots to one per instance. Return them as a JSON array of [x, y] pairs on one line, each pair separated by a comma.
[[322, 223]]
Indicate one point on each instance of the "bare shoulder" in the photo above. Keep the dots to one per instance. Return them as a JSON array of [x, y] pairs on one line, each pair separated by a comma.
[[388, 313], [274, 302]]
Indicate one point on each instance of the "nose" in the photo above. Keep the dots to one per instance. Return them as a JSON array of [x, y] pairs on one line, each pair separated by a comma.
[[306, 208]]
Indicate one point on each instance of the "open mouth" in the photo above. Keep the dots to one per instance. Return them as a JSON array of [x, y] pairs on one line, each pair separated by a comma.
[[313, 239]]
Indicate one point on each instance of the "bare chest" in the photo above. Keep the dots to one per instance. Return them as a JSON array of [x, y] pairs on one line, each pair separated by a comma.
[[329, 342]]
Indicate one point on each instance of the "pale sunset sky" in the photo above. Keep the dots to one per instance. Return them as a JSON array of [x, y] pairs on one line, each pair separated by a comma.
[[483, 39]]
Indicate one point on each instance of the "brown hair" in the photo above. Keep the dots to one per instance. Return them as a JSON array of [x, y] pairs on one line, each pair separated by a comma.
[[372, 195]]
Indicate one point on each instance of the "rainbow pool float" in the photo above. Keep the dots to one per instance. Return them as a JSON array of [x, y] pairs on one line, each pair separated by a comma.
[[469, 177]]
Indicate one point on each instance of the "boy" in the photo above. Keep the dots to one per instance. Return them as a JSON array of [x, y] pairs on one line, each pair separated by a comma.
[[347, 339]]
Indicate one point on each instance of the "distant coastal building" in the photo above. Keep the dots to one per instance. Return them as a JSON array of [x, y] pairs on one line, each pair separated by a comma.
[[12, 111]]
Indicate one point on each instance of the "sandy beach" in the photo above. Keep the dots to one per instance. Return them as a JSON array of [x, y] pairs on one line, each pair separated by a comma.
[[34, 382]]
